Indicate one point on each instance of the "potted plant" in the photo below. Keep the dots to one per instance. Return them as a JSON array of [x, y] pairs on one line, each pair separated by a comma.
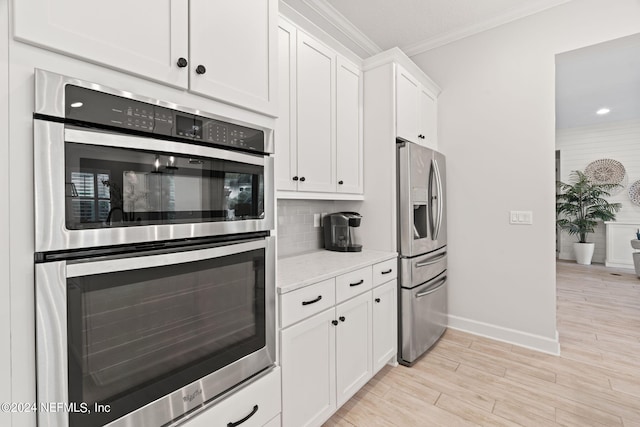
[[579, 207]]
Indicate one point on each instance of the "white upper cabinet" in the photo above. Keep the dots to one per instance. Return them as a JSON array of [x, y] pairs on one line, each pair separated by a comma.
[[349, 159], [408, 90], [315, 115], [319, 138], [416, 110], [223, 50], [286, 159], [233, 45], [428, 121], [110, 37]]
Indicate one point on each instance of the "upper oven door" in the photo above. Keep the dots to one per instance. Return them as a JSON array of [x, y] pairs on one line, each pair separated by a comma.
[[97, 188]]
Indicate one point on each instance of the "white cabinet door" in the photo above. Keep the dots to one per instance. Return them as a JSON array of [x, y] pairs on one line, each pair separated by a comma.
[[285, 132], [384, 324], [349, 156], [428, 119], [407, 104], [309, 371], [233, 52], [353, 346], [143, 37], [315, 116]]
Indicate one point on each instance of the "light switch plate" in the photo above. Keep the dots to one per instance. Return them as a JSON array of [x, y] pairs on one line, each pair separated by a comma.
[[316, 220], [521, 217]]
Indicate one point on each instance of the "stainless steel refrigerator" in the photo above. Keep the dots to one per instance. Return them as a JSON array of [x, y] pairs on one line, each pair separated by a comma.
[[422, 244]]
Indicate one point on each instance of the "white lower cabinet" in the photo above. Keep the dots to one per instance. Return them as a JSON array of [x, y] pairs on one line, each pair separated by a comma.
[[275, 422], [353, 346], [385, 327], [255, 405], [327, 356], [309, 370]]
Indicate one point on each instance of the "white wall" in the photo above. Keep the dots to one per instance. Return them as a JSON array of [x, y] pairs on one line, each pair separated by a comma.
[[5, 307], [580, 146], [497, 128]]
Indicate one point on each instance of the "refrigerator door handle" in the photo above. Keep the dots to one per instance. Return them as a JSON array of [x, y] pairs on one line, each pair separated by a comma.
[[431, 261], [436, 171], [432, 287]]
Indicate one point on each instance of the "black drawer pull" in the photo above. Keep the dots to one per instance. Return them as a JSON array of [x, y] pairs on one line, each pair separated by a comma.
[[342, 318], [387, 271], [303, 179], [201, 69], [237, 423], [312, 301], [295, 178], [357, 283], [377, 300], [334, 322]]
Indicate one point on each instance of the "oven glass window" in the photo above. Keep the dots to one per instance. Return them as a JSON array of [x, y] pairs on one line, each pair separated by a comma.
[[137, 335], [116, 187]]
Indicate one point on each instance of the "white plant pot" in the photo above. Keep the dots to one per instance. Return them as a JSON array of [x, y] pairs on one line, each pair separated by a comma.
[[584, 252]]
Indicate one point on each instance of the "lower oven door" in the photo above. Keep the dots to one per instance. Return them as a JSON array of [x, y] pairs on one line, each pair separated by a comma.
[[142, 340]]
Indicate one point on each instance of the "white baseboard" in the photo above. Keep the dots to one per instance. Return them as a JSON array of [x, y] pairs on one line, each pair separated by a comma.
[[619, 264], [511, 336]]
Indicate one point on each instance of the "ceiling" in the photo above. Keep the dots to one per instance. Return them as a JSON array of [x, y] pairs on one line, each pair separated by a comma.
[[604, 75], [598, 76], [413, 25]]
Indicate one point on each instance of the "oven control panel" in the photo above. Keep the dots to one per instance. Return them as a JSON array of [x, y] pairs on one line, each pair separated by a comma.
[[98, 108]]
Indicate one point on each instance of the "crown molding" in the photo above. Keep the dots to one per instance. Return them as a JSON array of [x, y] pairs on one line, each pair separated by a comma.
[[396, 56], [342, 24], [414, 49]]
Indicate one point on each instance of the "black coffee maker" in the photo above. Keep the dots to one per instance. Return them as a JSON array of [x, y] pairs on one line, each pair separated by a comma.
[[339, 234]]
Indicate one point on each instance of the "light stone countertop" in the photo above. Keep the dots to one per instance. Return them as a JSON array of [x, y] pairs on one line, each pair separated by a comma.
[[302, 270]]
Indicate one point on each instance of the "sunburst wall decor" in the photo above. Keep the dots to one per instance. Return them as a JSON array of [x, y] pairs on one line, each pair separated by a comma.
[[606, 171]]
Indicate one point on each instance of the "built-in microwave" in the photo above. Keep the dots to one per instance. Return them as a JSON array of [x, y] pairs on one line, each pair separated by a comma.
[[113, 168]]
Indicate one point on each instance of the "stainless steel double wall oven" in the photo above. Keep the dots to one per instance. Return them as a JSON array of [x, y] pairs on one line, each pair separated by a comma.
[[154, 261]]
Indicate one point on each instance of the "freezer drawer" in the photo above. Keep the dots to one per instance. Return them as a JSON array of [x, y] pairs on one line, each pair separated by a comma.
[[420, 269], [423, 319]]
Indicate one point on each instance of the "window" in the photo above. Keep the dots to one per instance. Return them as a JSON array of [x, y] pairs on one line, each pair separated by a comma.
[[93, 200]]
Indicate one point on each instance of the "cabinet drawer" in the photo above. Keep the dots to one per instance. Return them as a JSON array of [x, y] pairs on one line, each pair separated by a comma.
[[260, 398], [351, 284], [302, 303], [385, 271]]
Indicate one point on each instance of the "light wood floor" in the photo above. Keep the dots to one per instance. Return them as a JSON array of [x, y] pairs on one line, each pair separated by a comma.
[[467, 380]]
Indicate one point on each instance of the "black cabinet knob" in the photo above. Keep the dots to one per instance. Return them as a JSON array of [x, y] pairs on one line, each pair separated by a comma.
[[377, 300], [340, 182], [334, 322], [200, 69], [302, 178], [342, 318], [182, 62], [295, 178]]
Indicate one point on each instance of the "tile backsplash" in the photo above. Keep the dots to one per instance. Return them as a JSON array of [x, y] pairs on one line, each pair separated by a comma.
[[296, 233]]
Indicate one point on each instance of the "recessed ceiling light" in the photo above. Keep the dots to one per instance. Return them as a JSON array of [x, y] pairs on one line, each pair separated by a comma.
[[76, 105], [603, 111]]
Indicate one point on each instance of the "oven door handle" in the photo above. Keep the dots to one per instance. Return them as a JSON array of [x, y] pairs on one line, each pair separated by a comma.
[[135, 142], [135, 263]]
